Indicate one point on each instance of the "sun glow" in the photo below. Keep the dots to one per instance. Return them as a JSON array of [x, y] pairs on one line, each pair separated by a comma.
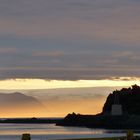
[[52, 84]]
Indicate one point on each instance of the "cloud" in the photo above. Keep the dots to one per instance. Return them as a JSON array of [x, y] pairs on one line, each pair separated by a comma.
[[8, 50], [69, 66], [48, 54], [90, 20], [67, 73], [74, 39]]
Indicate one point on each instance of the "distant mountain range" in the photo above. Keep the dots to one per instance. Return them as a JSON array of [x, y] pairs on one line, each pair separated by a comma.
[[18, 98], [18, 104]]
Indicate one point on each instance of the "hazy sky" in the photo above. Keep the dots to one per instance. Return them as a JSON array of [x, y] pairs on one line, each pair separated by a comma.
[[69, 39], [51, 44]]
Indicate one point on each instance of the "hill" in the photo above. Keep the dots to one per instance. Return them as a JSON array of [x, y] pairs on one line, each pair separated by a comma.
[[19, 105], [129, 98], [17, 98]]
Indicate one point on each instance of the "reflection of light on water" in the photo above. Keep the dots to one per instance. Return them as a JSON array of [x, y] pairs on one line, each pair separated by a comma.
[[15, 129], [50, 131], [36, 129]]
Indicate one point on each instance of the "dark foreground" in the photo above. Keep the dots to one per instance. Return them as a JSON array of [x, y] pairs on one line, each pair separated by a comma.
[[101, 121], [31, 120]]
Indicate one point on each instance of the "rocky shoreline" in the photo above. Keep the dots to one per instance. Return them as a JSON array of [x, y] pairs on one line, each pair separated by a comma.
[[121, 110], [101, 121]]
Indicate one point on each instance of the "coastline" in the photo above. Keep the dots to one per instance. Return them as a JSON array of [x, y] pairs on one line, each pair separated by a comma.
[[31, 120], [101, 121]]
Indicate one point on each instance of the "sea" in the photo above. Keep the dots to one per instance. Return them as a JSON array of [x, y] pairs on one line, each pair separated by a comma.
[[53, 132]]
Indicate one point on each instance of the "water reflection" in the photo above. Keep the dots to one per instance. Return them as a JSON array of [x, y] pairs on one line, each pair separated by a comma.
[[50, 131], [16, 129]]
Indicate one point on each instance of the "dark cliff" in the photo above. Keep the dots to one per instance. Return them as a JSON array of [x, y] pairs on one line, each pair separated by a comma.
[[129, 98]]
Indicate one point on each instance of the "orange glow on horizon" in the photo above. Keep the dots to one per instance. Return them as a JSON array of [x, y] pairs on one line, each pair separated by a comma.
[[55, 109], [59, 107]]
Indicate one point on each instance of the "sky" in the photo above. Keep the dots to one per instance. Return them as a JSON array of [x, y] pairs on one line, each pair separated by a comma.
[[53, 44]]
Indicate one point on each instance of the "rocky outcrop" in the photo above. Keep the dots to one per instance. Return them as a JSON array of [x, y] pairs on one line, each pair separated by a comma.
[[129, 98]]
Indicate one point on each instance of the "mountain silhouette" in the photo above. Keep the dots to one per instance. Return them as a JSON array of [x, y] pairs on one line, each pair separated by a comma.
[[18, 98], [19, 105], [129, 98]]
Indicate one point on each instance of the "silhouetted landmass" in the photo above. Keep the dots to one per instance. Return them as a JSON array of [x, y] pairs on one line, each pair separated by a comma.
[[94, 121], [129, 98], [19, 104], [18, 99], [32, 120]]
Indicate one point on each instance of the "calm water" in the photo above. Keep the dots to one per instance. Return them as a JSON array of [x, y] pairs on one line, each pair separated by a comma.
[[50, 131]]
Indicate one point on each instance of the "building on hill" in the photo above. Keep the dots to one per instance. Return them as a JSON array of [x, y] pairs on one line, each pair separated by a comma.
[[116, 108]]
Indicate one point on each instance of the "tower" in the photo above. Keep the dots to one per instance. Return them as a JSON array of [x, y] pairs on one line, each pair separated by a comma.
[[116, 109]]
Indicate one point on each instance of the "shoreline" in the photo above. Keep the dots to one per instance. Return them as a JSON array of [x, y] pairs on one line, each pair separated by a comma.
[[31, 120], [101, 121]]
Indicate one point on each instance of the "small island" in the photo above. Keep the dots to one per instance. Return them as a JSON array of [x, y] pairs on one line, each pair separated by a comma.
[[121, 110]]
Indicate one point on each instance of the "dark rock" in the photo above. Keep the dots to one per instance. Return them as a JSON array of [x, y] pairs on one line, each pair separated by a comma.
[[129, 98]]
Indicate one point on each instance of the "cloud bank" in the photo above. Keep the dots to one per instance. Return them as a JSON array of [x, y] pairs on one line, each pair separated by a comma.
[[69, 40]]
